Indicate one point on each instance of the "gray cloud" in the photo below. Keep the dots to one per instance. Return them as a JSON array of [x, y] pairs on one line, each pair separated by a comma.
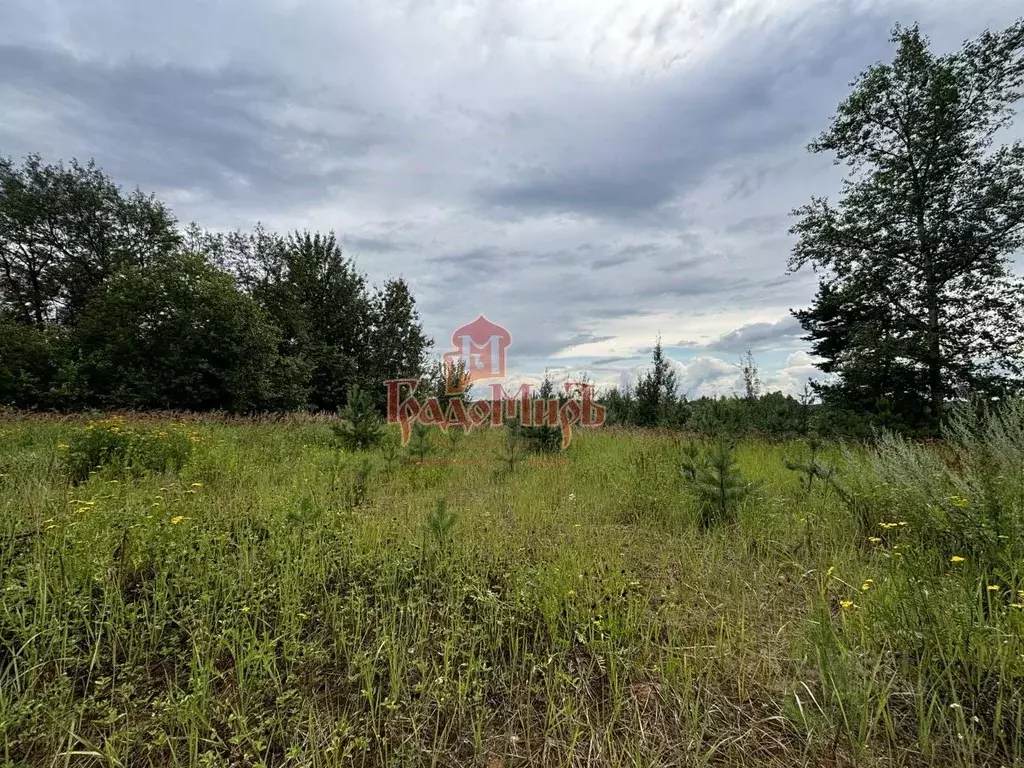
[[223, 132], [757, 336], [581, 173]]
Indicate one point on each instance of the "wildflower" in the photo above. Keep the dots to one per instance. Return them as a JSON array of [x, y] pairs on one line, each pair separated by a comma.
[[875, 540], [887, 526], [830, 571], [177, 519], [992, 587], [956, 559], [846, 604], [868, 583]]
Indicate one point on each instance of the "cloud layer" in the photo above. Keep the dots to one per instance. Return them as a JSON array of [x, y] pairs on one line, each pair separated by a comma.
[[587, 174]]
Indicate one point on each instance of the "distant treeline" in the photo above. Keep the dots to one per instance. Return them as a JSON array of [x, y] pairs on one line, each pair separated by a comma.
[[106, 303]]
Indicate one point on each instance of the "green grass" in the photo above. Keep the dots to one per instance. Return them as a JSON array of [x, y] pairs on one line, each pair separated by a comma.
[[272, 603]]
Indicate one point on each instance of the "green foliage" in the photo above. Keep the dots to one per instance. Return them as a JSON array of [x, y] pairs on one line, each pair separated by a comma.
[[917, 300], [811, 467], [441, 525], [112, 443], [179, 335], [538, 438], [657, 394], [358, 489], [513, 448], [692, 460], [103, 303], [646, 643], [32, 358], [420, 443], [333, 323], [717, 483], [967, 499], [361, 426], [64, 231]]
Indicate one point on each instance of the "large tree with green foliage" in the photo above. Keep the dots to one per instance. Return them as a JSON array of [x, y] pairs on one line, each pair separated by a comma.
[[917, 300], [180, 335], [64, 230], [329, 316]]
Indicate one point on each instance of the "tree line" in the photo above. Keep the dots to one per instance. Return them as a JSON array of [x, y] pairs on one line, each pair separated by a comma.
[[106, 303]]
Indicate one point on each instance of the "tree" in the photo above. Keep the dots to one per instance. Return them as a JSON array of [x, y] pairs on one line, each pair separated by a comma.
[[751, 377], [179, 335], [657, 392], [31, 360], [361, 426], [329, 317], [319, 301], [397, 345], [65, 230], [917, 299]]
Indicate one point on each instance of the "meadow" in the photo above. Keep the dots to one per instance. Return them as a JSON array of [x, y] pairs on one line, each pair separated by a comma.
[[247, 593]]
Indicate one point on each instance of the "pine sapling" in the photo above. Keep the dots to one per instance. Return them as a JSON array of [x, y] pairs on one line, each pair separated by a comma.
[[420, 446], [361, 426], [719, 486]]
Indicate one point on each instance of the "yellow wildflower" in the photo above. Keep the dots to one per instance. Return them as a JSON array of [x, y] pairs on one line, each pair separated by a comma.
[[956, 559], [875, 540], [830, 571], [992, 587], [177, 519], [846, 604], [868, 584]]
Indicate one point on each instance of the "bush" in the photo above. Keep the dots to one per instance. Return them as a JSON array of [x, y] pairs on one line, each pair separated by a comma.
[[361, 426], [112, 443], [716, 482]]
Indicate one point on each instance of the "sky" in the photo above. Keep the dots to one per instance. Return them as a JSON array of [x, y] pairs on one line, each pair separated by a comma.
[[589, 174]]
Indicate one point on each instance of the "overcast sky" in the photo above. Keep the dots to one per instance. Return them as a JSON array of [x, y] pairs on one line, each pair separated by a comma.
[[588, 174]]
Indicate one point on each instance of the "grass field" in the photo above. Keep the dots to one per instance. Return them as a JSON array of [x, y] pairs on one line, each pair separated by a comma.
[[279, 601]]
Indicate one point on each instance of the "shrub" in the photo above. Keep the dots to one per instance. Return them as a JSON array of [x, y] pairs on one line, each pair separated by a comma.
[[361, 426], [716, 482], [112, 443]]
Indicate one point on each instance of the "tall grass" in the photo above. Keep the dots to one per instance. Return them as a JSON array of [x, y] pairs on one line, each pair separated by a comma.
[[245, 609]]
